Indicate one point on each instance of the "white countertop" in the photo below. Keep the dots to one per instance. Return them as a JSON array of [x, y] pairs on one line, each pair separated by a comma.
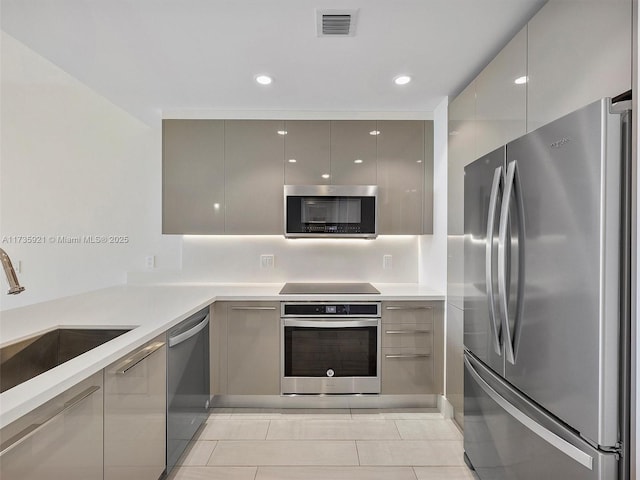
[[149, 310]]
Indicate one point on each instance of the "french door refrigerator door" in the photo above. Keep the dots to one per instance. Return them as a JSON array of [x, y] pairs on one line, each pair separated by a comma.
[[562, 334], [483, 188], [506, 437]]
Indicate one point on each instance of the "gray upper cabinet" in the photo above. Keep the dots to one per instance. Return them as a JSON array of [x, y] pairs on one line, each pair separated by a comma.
[[193, 176], [578, 52], [401, 160], [307, 152], [254, 176], [226, 176], [501, 103], [353, 152]]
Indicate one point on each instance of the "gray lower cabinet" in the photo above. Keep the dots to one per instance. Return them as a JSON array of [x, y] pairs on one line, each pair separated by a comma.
[[412, 348], [135, 414], [455, 367], [62, 439], [245, 356]]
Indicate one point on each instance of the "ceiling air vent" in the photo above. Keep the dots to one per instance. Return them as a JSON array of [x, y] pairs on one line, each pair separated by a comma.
[[336, 23]]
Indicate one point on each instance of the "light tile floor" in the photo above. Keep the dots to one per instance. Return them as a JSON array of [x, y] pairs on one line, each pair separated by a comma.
[[340, 444]]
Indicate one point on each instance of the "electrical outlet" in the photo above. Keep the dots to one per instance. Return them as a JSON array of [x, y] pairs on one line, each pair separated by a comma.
[[150, 261], [267, 261], [387, 262]]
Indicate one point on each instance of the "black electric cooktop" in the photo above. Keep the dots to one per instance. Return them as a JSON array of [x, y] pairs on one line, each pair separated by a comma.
[[328, 289]]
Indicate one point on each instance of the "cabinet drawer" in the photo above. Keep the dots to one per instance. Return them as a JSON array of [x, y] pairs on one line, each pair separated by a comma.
[[61, 439], [406, 372], [415, 336], [407, 312]]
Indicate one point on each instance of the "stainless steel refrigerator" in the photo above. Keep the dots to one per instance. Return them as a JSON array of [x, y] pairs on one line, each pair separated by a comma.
[[546, 302]]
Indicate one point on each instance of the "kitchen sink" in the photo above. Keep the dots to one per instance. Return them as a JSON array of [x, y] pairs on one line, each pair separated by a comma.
[[24, 360]]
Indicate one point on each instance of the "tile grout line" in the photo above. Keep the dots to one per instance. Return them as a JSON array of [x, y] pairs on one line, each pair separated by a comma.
[[395, 423], [413, 469], [266, 435], [211, 454], [357, 452]]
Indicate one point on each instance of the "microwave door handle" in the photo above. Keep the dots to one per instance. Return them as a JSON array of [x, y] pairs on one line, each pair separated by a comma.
[[493, 204]]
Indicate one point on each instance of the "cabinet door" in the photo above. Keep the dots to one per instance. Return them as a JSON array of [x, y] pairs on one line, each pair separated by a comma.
[[68, 442], [253, 349], [427, 195], [254, 177], [412, 348], [401, 159], [135, 414], [353, 152], [461, 151], [307, 152], [193, 176], [455, 368], [579, 52], [501, 103]]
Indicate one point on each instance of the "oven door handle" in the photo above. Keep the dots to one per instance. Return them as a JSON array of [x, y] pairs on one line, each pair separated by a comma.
[[312, 323]]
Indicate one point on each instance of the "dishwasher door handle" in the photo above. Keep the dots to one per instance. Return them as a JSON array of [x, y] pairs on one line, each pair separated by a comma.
[[184, 336]]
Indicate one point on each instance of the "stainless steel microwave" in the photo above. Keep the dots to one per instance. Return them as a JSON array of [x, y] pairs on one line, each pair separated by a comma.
[[339, 211]]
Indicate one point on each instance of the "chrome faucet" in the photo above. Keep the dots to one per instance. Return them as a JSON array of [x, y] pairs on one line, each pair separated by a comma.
[[12, 278]]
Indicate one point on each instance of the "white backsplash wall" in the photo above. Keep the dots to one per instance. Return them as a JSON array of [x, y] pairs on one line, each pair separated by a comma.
[[237, 259]]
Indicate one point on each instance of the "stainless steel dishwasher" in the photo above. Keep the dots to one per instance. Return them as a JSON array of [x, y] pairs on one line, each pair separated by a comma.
[[188, 392]]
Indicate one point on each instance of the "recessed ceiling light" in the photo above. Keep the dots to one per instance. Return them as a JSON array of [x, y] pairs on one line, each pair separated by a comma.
[[357, 160], [282, 132], [402, 79], [374, 132], [264, 79], [418, 161], [521, 80], [325, 175], [292, 160]]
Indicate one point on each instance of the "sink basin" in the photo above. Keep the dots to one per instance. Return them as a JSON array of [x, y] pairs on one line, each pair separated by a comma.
[[24, 360]]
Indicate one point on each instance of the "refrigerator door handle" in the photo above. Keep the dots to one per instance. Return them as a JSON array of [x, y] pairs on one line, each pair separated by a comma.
[[493, 205], [512, 185], [562, 445]]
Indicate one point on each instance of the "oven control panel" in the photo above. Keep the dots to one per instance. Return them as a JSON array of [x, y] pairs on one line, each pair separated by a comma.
[[310, 309]]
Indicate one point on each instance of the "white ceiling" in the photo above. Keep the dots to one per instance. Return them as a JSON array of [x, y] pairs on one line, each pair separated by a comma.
[[157, 57]]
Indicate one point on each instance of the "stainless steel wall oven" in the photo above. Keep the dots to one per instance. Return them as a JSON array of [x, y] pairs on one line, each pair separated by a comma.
[[330, 348]]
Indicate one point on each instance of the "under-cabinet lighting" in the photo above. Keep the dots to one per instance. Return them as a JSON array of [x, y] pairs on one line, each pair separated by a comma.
[[521, 80], [292, 160], [325, 175], [357, 160], [282, 132], [374, 132]]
